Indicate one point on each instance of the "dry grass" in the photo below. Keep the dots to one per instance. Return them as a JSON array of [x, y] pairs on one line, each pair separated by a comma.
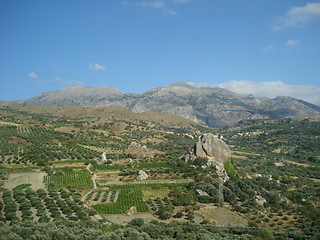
[[101, 150], [62, 164], [68, 129], [34, 178], [108, 113], [315, 179], [153, 193], [124, 218], [222, 216], [299, 164], [17, 140], [153, 140], [108, 176], [9, 123]]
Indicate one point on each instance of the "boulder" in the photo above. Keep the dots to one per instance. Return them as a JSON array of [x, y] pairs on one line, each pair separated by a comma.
[[103, 158], [211, 146], [201, 192], [142, 175], [260, 200], [132, 211]]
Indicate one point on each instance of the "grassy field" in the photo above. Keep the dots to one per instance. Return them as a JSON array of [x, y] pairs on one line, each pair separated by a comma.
[[154, 192], [230, 169]]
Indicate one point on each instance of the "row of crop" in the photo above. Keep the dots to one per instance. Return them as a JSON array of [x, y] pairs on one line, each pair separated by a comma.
[[108, 196], [44, 205], [66, 178], [149, 165], [127, 198], [44, 144]]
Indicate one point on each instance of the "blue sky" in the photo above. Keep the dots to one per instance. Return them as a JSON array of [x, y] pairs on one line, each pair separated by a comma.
[[266, 48]]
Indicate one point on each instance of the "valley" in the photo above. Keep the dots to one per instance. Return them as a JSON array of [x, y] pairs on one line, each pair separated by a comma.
[[118, 169]]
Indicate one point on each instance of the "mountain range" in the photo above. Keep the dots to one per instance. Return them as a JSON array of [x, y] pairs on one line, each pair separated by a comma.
[[214, 107]]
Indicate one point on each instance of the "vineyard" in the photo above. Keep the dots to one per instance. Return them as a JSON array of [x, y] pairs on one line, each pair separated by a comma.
[[104, 197], [126, 199], [67, 177], [133, 195]]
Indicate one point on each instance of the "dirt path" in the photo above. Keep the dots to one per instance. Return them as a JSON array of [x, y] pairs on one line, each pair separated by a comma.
[[96, 217], [94, 176], [124, 218], [149, 181]]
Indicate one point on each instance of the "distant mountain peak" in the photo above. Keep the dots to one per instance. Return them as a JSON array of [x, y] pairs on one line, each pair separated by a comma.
[[181, 84], [215, 107]]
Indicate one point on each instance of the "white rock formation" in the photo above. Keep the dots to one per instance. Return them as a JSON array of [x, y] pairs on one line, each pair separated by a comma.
[[132, 211], [142, 175], [260, 200], [103, 158], [202, 193]]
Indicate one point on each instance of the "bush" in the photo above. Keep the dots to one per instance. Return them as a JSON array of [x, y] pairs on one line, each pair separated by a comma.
[[137, 222], [178, 215]]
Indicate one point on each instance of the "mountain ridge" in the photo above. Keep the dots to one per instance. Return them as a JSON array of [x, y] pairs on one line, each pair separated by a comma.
[[214, 107]]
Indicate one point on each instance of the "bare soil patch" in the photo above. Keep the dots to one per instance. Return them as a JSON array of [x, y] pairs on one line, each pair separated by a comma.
[[17, 140], [153, 140], [124, 218], [153, 193], [103, 177], [9, 123], [62, 165], [118, 127], [56, 141], [239, 157], [101, 150], [315, 179], [34, 178], [68, 129], [299, 164]]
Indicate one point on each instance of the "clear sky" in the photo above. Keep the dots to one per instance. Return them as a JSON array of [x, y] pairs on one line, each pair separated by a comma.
[[263, 47]]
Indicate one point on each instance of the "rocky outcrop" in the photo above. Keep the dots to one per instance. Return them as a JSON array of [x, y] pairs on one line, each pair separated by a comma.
[[213, 148], [103, 158], [139, 150], [201, 192], [132, 211], [260, 200], [142, 175]]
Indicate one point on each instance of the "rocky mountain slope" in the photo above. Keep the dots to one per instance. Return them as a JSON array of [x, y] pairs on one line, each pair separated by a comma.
[[214, 107]]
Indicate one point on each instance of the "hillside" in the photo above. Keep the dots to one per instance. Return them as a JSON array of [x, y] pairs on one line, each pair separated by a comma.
[[82, 165], [214, 107], [109, 113]]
